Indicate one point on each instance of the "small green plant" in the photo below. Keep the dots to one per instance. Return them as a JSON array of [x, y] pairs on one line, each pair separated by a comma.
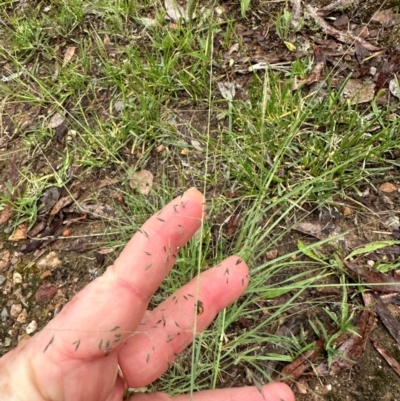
[[244, 6], [343, 322], [282, 24]]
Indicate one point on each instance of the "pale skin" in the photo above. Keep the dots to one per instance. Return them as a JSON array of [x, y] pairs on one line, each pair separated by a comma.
[[76, 356]]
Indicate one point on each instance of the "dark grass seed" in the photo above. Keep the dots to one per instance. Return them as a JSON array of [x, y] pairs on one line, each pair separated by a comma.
[[77, 344], [48, 345]]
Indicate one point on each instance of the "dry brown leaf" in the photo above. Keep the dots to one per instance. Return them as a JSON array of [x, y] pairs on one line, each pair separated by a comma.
[[376, 280], [336, 5], [234, 48], [341, 36], [388, 358], [295, 370], [390, 298], [142, 181], [175, 11], [95, 210], [118, 197], [357, 91], [361, 31], [48, 199], [342, 21], [80, 245], [301, 386], [61, 131], [107, 182], [63, 202], [6, 213], [315, 75], [14, 174], [351, 351], [19, 234], [388, 319], [47, 236], [385, 17], [106, 251], [68, 222], [348, 241], [5, 260], [45, 274], [233, 224], [361, 52], [69, 53], [45, 293]]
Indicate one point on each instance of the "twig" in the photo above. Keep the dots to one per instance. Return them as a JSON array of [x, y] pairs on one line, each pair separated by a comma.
[[296, 14], [335, 5], [344, 37]]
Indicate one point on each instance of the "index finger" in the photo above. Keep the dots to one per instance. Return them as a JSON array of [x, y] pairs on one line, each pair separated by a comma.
[[108, 310], [157, 243]]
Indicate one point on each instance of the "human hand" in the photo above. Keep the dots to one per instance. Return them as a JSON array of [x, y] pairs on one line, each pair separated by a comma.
[[107, 327]]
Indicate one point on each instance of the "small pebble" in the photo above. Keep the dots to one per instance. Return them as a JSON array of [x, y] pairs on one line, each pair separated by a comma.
[[15, 310], [17, 278], [8, 230], [4, 315], [388, 202], [119, 105], [31, 328], [388, 187], [50, 261], [2, 279], [393, 222], [272, 254], [346, 211], [22, 317], [394, 88], [7, 342]]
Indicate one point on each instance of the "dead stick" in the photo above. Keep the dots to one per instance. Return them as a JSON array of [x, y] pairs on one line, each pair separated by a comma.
[[344, 37]]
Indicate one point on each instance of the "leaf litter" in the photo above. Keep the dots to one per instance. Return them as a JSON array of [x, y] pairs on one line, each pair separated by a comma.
[[350, 351], [175, 11]]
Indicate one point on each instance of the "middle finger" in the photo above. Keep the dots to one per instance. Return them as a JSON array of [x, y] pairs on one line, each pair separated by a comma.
[[171, 327]]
